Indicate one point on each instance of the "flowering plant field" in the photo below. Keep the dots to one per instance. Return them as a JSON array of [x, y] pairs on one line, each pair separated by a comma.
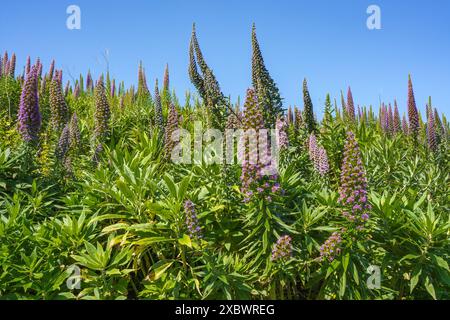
[[94, 206]]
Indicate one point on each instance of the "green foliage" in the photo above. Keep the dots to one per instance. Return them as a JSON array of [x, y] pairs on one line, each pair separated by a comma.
[[121, 222]]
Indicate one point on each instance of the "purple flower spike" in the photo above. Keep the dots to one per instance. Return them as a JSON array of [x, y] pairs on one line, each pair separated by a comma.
[[412, 112], [282, 249], [29, 116], [353, 186], [192, 223], [332, 247]]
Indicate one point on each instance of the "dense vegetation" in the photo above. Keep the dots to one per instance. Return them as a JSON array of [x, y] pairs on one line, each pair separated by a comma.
[[86, 180]]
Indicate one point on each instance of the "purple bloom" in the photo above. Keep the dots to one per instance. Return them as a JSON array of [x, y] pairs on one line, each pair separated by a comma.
[[113, 88], [29, 116], [171, 127], [102, 111], [350, 106], [192, 223], [405, 127], [298, 118], [390, 117], [12, 66], [5, 63], [76, 91], [282, 249], [321, 163], [28, 66], [412, 111], [312, 147], [282, 137], [384, 119], [158, 109], [51, 70], [142, 92], [353, 187], [431, 130], [166, 79], [74, 130], [89, 82], [318, 156], [397, 121], [254, 153], [63, 144], [39, 67], [58, 106], [331, 247]]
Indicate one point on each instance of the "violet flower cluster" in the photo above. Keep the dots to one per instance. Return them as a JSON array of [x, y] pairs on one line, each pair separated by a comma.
[[171, 127], [256, 158], [413, 114], [282, 137], [63, 144], [397, 121], [332, 247], [89, 82], [158, 109], [353, 188], [29, 117], [431, 130], [318, 156], [350, 106], [192, 224], [282, 249], [102, 111], [58, 108]]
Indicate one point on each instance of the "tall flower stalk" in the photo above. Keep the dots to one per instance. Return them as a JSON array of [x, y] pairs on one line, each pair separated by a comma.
[[170, 130], [318, 156], [29, 117], [397, 121], [158, 109], [413, 114], [255, 157], [353, 185], [282, 137], [58, 107], [350, 112], [102, 111], [431, 130]]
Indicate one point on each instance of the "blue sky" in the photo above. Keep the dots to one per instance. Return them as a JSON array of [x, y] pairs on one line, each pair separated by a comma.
[[325, 41]]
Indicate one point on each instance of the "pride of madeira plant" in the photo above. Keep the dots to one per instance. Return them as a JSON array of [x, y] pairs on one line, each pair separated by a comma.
[[87, 180]]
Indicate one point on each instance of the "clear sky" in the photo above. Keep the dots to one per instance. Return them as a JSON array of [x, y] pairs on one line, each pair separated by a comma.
[[327, 42]]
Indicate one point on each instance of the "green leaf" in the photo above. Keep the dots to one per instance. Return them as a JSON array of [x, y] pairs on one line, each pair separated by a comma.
[[151, 240], [441, 262], [345, 261], [415, 278], [342, 285], [158, 270], [430, 288], [114, 227], [409, 257], [186, 241], [355, 274]]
